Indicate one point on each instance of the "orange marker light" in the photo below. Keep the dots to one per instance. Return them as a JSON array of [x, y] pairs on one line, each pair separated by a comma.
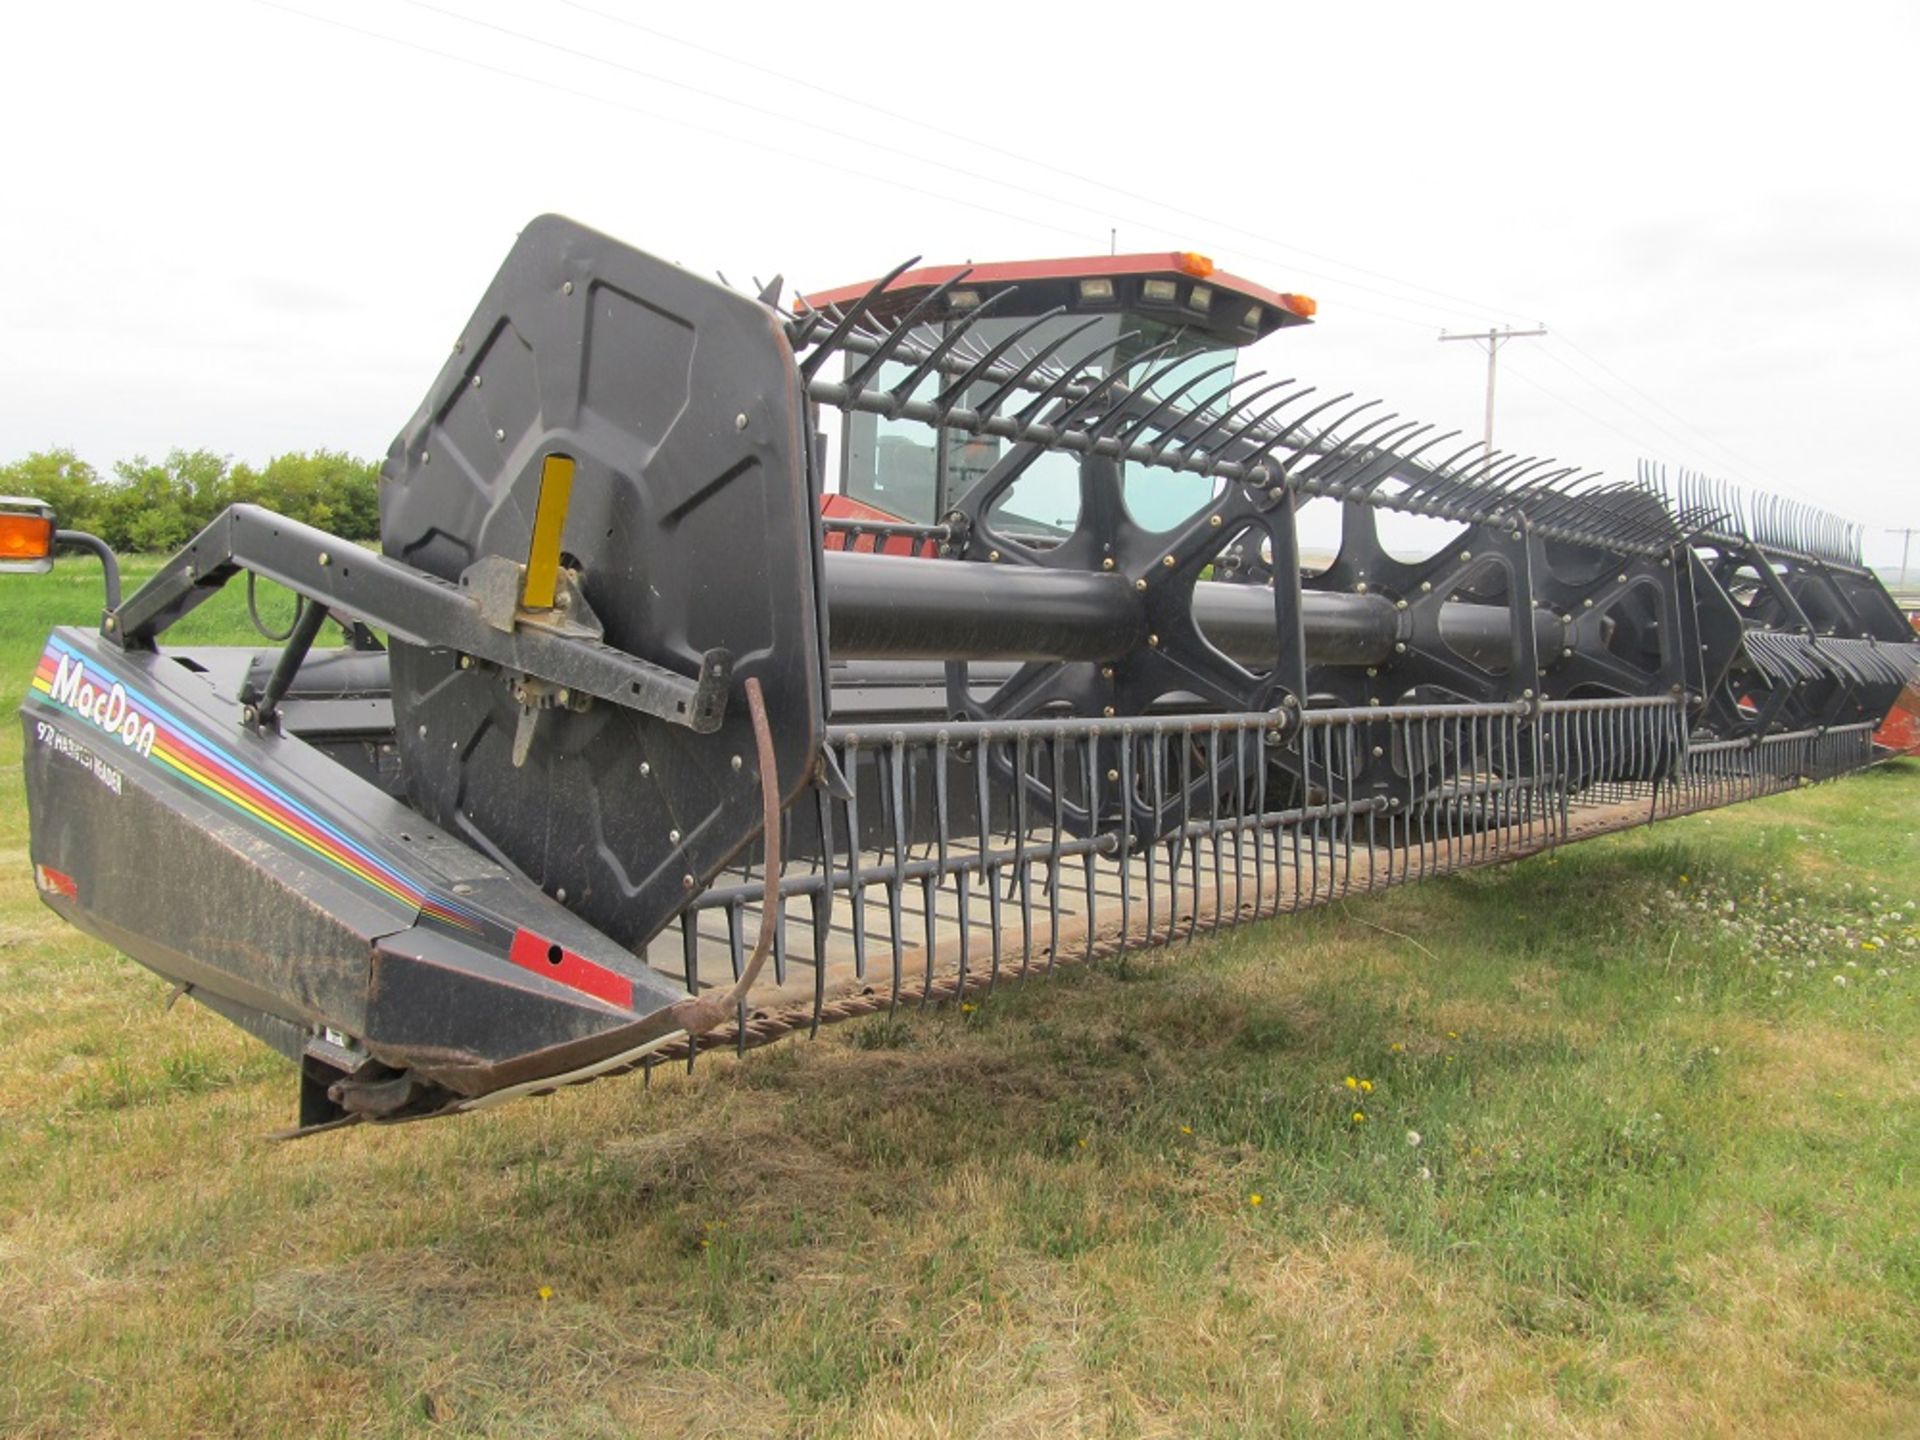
[[26, 536], [1191, 262], [1305, 306]]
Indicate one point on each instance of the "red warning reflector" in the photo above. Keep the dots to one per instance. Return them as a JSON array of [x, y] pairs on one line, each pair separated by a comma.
[[55, 882], [544, 957]]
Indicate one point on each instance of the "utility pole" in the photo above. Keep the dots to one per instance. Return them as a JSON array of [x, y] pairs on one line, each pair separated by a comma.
[[1493, 340], [1906, 545]]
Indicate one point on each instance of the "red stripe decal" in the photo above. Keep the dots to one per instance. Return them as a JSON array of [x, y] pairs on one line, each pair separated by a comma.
[[56, 882], [542, 956]]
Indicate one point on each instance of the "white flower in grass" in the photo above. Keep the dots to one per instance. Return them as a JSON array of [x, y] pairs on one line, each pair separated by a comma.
[[1413, 1137]]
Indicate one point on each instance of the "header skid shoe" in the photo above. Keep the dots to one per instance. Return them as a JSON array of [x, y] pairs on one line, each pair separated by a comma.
[[688, 532]]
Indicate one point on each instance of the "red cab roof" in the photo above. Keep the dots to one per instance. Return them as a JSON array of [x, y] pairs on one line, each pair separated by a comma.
[[1187, 289]]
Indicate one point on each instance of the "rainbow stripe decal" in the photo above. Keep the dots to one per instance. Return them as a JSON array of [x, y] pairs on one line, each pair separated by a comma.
[[69, 681]]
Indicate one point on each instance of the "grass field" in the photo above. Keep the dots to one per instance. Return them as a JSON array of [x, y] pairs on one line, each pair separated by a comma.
[[1621, 1140]]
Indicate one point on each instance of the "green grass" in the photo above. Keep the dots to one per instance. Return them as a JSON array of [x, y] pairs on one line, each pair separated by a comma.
[[1664, 1181]]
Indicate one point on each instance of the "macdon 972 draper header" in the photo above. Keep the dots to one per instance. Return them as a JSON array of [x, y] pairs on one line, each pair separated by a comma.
[[625, 746]]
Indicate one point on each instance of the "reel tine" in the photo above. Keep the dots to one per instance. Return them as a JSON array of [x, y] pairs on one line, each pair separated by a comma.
[[811, 365], [979, 370], [1171, 401], [1197, 443], [990, 407], [1099, 389], [898, 336], [931, 361], [1059, 384]]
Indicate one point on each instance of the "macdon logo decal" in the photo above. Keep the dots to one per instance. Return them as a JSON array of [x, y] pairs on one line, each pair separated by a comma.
[[109, 708]]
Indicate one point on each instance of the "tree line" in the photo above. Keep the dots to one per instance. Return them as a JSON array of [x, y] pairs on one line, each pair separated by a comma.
[[159, 505]]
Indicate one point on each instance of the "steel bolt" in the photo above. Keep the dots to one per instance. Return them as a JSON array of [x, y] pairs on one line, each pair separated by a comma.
[[567, 289], [1378, 752], [1372, 671], [1426, 586], [1113, 777], [740, 421], [466, 662], [1566, 654], [645, 768], [686, 882], [1107, 564], [994, 556], [1214, 520], [1108, 711], [1168, 562], [1361, 588], [1400, 647], [1466, 555], [1140, 584], [673, 837], [476, 382], [325, 559], [1587, 603], [1620, 579], [1106, 672], [1153, 641], [1526, 694], [110, 623], [561, 894], [499, 434], [1399, 604]]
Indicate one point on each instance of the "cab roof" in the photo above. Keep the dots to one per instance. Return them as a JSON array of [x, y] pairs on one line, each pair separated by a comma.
[[1177, 286]]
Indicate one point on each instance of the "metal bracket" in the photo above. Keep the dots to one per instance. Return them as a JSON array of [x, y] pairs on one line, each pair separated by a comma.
[[418, 608]]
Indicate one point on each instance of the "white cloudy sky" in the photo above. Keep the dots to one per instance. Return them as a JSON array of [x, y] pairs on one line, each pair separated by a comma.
[[229, 223]]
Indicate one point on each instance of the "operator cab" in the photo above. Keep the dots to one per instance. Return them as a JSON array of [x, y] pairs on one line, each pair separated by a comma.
[[1138, 303]]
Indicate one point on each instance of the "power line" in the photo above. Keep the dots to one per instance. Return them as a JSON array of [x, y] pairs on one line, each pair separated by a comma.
[[1702, 435], [1213, 223], [787, 118], [1493, 339], [813, 158], [1687, 446], [1906, 545], [751, 144], [1637, 441]]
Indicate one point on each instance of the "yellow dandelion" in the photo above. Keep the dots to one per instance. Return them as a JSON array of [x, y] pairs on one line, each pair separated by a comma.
[[1352, 1084], [1366, 1086], [1453, 1034], [1186, 1129], [1359, 1117], [1683, 880], [967, 1007], [1397, 1047], [1869, 944], [705, 1244], [1254, 1199], [1083, 1142], [546, 1293]]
